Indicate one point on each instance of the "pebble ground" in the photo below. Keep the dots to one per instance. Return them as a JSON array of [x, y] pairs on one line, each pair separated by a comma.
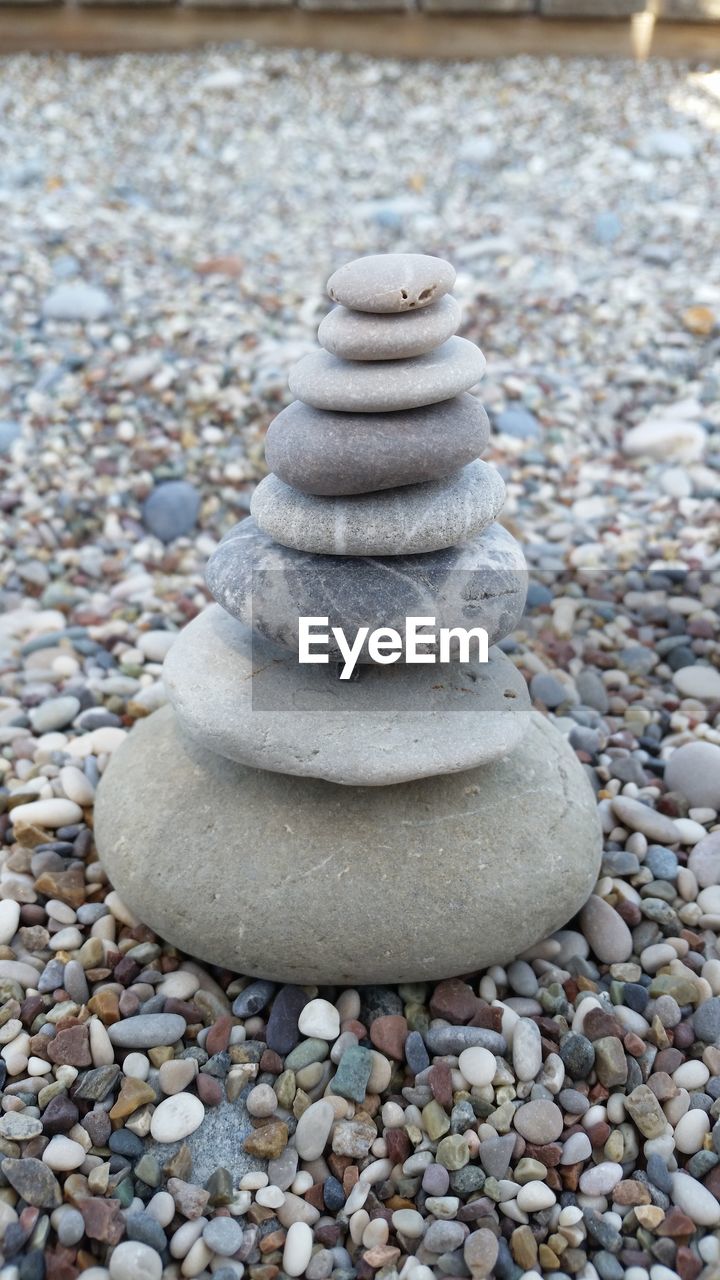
[[164, 220]]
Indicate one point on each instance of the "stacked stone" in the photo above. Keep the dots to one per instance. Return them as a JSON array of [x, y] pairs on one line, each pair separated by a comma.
[[378, 508]]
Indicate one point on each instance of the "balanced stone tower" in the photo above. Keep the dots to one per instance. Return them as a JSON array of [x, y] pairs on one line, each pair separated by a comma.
[[364, 818]]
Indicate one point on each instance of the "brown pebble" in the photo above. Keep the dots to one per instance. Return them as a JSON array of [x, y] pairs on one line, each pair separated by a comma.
[[103, 1219], [486, 1016], [61, 1264], [104, 1004], [357, 1028], [662, 1085], [71, 1046], [209, 1089], [126, 971], [338, 1164], [189, 1012], [676, 1224], [218, 1036], [272, 1241], [523, 1247], [454, 1000], [328, 1233], [599, 1133], [440, 1081], [314, 1196], [128, 1004], [668, 1060], [133, 1094], [382, 1255], [630, 1192], [398, 1145], [389, 1033], [259, 1213], [267, 1141], [68, 886], [687, 1263], [547, 1258], [271, 1062], [683, 1035], [549, 1154], [634, 1045], [179, 1165], [190, 1200], [599, 1023]]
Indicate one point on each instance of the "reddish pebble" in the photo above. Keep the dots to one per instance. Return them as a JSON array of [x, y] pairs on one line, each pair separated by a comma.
[[210, 1091], [357, 1028], [389, 1034], [454, 1000], [71, 1047], [440, 1081], [218, 1037]]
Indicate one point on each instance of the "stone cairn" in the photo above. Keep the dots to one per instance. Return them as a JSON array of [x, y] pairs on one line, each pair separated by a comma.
[[377, 509]]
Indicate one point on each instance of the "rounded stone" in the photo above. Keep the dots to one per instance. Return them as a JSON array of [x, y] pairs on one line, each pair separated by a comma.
[[223, 1236], [357, 335], [539, 1121], [381, 386], [313, 1130], [336, 454], [388, 283], [171, 510], [704, 860], [132, 1259], [394, 522], [253, 702], [479, 583], [287, 861], [147, 1030], [606, 931], [176, 1117], [694, 771], [478, 1065], [699, 681]]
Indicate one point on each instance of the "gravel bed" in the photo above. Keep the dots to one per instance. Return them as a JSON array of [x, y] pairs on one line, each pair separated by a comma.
[[165, 222]]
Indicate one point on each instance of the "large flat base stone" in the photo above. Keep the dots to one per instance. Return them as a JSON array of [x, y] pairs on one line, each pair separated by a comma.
[[300, 880], [238, 694]]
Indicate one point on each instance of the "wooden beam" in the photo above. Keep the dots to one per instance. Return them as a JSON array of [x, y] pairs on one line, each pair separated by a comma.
[[107, 30]]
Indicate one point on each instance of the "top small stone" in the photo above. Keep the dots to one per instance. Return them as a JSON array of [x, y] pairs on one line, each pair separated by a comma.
[[386, 283]]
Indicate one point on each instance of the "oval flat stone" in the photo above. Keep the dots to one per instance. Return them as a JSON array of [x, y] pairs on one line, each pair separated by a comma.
[[382, 386], [357, 335], [393, 522], [479, 583], [147, 1030], [288, 860], [334, 454], [252, 701], [391, 282]]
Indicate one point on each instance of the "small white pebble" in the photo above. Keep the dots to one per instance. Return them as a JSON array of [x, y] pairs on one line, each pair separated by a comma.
[[62, 1154], [298, 1248], [535, 1196], [270, 1197], [136, 1065], [320, 1019], [478, 1065]]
